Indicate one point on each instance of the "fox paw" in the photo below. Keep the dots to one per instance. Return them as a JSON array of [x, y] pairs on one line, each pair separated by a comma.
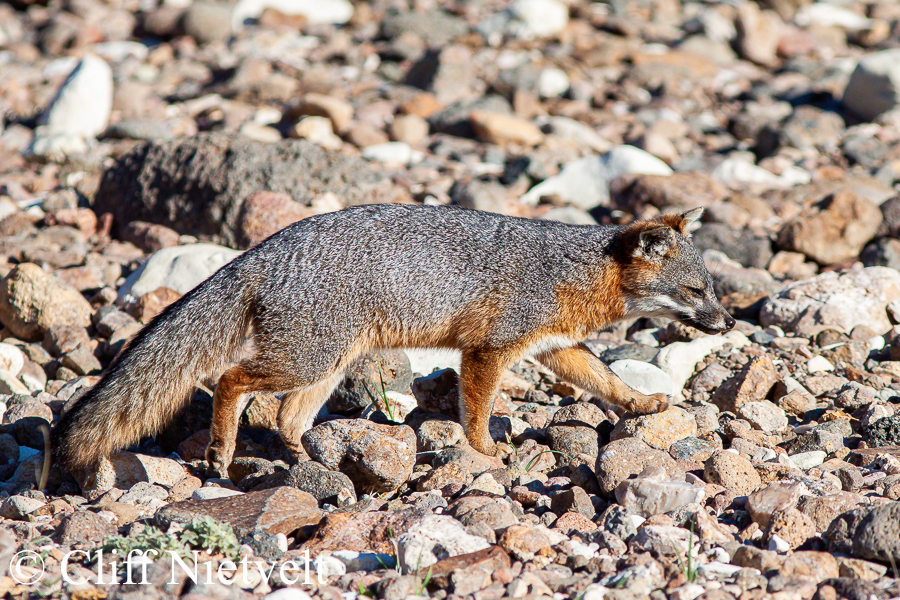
[[646, 405]]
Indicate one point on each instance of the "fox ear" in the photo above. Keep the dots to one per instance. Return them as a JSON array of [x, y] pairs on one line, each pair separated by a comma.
[[691, 220], [654, 242]]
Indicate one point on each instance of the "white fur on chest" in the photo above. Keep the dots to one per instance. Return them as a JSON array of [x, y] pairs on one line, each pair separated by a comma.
[[547, 344]]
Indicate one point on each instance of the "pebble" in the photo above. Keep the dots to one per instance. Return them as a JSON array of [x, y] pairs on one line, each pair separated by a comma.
[[875, 71], [732, 471], [432, 539], [807, 460], [179, 268], [376, 457], [585, 183], [652, 493], [644, 377], [80, 110]]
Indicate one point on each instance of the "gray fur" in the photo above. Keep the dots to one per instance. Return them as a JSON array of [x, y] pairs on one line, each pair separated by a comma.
[[316, 292]]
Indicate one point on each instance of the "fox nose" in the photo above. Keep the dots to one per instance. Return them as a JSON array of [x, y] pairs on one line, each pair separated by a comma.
[[729, 323]]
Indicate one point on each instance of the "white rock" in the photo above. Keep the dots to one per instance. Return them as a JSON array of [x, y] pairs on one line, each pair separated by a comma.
[[79, 111], [680, 359], [717, 569], [11, 359], [316, 11], [434, 538], [644, 377], [180, 268], [764, 416], [825, 14], [208, 493], [575, 131], [874, 86], [392, 152], [553, 83], [653, 493], [585, 182], [401, 405], [778, 544], [318, 130], [843, 301], [807, 460], [486, 483], [537, 18], [595, 591], [819, 364], [288, 593], [119, 50], [16, 507], [737, 170], [9, 384]]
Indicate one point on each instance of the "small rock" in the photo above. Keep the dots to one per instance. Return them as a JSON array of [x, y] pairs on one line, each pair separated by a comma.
[[652, 493], [619, 460], [497, 128], [83, 528], [435, 538], [376, 457], [792, 526], [843, 301], [832, 230], [585, 183], [276, 510], [79, 111], [32, 302], [524, 541], [774, 497], [179, 268], [873, 86], [644, 377], [124, 469], [732, 471], [807, 460], [764, 416], [751, 384], [659, 430]]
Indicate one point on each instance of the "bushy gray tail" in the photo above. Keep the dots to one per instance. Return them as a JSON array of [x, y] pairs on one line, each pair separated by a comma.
[[152, 379]]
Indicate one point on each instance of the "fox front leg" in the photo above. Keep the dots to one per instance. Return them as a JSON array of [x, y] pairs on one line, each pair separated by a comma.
[[580, 366]]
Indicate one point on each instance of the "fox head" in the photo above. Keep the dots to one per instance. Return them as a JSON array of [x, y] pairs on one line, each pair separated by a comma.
[[664, 275]]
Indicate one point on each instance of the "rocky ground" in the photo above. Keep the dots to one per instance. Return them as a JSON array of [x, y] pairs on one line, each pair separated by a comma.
[[144, 144]]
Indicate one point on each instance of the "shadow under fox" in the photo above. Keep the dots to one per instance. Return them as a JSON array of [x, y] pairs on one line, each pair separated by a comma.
[[290, 315]]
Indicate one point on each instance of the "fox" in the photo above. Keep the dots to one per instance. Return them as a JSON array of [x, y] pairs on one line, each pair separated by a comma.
[[289, 315]]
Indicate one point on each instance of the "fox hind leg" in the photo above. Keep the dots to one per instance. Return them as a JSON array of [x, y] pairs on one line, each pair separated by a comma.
[[233, 385], [299, 408]]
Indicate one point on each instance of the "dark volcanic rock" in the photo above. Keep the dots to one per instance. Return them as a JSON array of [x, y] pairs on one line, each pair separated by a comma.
[[197, 185]]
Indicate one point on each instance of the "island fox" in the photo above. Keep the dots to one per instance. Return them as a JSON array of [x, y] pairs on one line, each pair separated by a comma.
[[290, 314]]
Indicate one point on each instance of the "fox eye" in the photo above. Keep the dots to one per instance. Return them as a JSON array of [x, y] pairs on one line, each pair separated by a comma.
[[696, 292]]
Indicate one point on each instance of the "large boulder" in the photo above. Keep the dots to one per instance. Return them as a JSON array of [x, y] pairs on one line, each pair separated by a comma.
[[198, 185]]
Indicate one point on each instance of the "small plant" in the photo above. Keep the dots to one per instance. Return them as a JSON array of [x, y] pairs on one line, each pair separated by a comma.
[[688, 568], [200, 534], [513, 446], [364, 591], [534, 459], [383, 396], [423, 585], [212, 536], [146, 540]]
